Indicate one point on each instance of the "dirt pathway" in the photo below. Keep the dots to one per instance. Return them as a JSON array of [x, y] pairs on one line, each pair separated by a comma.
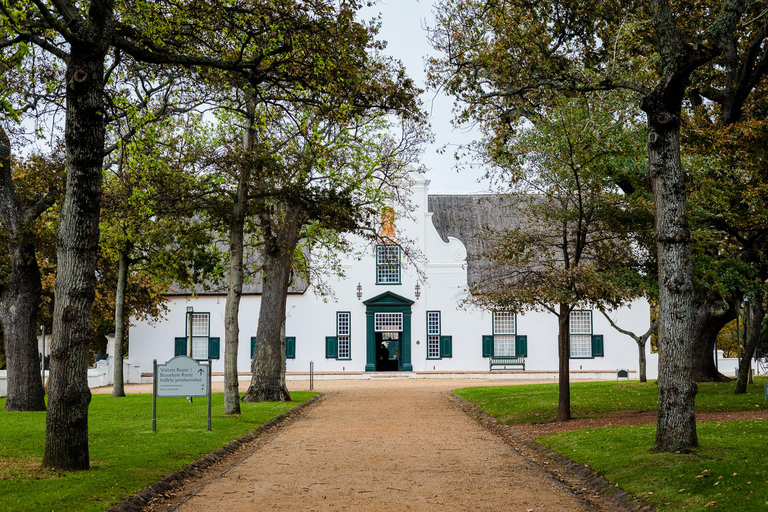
[[394, 444]]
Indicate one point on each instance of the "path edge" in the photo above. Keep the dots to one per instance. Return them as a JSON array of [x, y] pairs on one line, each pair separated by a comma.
[[177, 479], [576, 476]]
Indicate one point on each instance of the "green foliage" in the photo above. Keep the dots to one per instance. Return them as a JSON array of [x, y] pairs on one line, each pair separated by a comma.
[[125, 454], [152, 213], [579, 237], [726, 472], [728, 339], [538, 403]]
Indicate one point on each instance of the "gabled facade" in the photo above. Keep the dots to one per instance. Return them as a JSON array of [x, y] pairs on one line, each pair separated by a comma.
[[388, 318]]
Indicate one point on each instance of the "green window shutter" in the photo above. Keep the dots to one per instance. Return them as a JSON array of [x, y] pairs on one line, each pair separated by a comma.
[[213, 348], [597, 346], [180, 347], [487, 345], [521, 345], [331, 347], [253, 346], [446, 346], [290, 347]]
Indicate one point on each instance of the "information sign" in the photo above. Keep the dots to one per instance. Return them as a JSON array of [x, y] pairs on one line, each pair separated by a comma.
[[182, 376]]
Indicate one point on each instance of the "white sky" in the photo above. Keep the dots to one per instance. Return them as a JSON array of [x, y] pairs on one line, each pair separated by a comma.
[[403, 27]]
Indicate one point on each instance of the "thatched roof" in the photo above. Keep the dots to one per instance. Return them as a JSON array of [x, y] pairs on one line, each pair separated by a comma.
[[249, 288], [466, 217], [252, 286]]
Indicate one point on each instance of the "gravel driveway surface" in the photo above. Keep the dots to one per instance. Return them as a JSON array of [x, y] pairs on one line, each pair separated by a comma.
[[380, 445]]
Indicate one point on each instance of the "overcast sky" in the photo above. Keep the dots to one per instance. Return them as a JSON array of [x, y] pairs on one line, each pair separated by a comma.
[[403, 27]]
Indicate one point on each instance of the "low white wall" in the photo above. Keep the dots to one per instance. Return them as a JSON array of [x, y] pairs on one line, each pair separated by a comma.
[[101, 374]]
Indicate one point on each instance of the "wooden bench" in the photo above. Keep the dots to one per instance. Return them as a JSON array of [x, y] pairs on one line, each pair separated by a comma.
[[506, 361]]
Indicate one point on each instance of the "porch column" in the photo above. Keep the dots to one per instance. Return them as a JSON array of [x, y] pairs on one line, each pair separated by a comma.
[[406, 351], [370, 343]]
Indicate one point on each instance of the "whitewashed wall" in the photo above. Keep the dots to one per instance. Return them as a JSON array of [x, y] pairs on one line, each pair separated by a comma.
[[311, 318]]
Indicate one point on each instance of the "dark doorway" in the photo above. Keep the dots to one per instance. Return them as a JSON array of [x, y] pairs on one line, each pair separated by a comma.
[[388, 351]]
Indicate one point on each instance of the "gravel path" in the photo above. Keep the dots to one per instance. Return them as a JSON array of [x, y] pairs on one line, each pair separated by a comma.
[[389, 444]]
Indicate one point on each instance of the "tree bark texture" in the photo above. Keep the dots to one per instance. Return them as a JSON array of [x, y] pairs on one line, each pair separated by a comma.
[[564, 363], [19, 298], [234, 292], [709, 318], [756, 314], [66, 435], [118, 389], [268, 367], [676, 422]]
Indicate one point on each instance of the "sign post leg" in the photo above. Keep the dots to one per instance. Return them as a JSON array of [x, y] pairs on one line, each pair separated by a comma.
[[209, 393], [154, 395]]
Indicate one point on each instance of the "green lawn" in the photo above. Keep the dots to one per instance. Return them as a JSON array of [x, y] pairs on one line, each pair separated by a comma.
[[537, 403], [126, 455], [727, 472]]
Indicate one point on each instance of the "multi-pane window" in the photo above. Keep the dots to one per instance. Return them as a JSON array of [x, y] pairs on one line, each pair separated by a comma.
[[384, 322], [581, 333], [387, 264], [503, 333], [343, 320], [433, 334], [200, 331]]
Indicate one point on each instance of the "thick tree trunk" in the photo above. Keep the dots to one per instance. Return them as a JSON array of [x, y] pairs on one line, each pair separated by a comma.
[[122, 278], [709, 318], [66, 433], [756, 314], [676, 423], [642, 364], [564, 363], [19, 298], [235, 290], [268, 380]]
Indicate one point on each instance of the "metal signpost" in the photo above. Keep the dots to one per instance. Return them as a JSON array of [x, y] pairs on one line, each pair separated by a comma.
[[182, 376]]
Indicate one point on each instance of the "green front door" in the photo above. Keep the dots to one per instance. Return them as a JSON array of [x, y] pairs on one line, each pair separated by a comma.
[[392, 333]]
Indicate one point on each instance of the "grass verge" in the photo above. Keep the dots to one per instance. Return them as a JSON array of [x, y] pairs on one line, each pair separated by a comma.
[[727, 471], [537, 403], [126, 455]]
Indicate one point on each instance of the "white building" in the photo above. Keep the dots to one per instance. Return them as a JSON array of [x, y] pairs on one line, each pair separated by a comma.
[[386, 318]]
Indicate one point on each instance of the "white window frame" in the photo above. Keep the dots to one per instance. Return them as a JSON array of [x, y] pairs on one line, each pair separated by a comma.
[[504, 331], [433, 334], [199, 330], [343, 333], [580, 334], [388, 264]]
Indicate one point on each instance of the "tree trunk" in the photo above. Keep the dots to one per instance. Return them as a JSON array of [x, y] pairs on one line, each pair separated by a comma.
[[640, 340], [236, 276], [564, 363], [676, 423], [19, 298], [122, 277], [268, 367], [66, 432], [709, 318], [235, 290], [756, 314]]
